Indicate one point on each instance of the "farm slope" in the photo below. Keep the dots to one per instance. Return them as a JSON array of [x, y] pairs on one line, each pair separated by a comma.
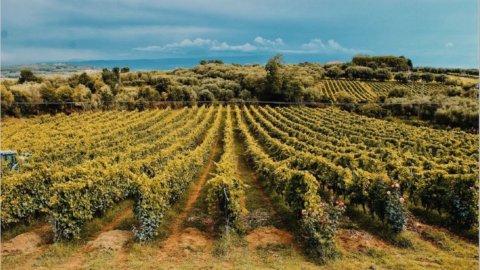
[[203, 186]]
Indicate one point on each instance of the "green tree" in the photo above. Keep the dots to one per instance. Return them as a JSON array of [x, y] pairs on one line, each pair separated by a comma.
[[274, 77], [414, 77], [162, 84], [106, 96], [346, 100], [65, 93], [359, 72], [7, 99], [401, 77], [116, 71], [27, 75], [292, 90], [87, 81], [441, 78], [81, 93], [427, 77], [334, 72], [48, 94], [383, 74], [146, 95], [398, 92], [206, 95], [110, 78]]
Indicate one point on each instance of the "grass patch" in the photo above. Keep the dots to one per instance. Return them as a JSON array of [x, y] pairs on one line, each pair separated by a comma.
[[441, 220], [20, 228], [438, 238], [376, 227], [223, 246], [198, 216], [98, 223], [126, 224], [164, 229], [56, 254]]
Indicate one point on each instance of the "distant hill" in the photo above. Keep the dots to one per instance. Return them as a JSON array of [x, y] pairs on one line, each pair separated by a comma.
[[44, 69]]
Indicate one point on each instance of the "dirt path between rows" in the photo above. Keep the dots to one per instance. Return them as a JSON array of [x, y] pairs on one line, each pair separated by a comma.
[[182, 240], [32, 243], [77, 261], [266, 234]]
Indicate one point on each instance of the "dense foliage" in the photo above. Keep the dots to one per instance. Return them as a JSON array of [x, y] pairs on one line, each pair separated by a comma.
[[450, 100], [316, 160], [225, 189], [395, 63]]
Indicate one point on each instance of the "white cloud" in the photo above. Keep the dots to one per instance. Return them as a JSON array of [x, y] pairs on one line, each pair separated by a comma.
[[199, 43], [316, 45], [449, 44], [186, 43], [269, 43], [247, 47], [260, 44]]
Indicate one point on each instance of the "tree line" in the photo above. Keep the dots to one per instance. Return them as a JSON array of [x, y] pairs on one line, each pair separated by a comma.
[[212, 80]]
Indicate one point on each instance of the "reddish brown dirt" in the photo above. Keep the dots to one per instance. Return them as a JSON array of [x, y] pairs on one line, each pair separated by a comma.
[[111, 240], [191, 239], [28, 242], [264, 236], [110, 226], [105, 241], [358, 240]]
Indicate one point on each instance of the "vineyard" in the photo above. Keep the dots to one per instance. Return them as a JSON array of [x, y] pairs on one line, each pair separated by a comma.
[[358, 90], [382, 88], [321, 174], [370, 91]]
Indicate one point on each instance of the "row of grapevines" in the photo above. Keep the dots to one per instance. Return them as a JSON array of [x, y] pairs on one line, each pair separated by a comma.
[[32, 188], [361, 93], [225, 189], [51, 145], [424, 142], [154, 196], [337, 178], [76, 201], [317, 219], [443, 183], [383, 88]]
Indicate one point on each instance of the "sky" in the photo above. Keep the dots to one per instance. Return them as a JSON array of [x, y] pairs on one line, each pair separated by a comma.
[[430, 32]]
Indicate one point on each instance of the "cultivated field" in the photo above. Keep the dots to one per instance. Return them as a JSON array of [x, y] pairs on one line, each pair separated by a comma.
[[238, 187]]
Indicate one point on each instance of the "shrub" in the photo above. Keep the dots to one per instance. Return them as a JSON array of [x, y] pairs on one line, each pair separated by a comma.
[[334, 72], [399, 92], [372, 110], [26, 75], [401, 77], [346, 100], [7, 99], [383, 74], [206, 95]]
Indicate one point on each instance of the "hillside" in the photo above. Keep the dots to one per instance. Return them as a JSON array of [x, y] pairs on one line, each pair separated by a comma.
[[419, 98], [233, 186]]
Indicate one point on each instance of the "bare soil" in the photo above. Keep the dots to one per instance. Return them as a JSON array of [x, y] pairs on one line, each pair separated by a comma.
[[111, 240], [28, 242], [104, 240], [358, 240], [265, 236], [190, 239]]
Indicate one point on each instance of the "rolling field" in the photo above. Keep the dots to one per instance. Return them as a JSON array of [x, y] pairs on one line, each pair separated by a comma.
[[223, 187], [370, 91]]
